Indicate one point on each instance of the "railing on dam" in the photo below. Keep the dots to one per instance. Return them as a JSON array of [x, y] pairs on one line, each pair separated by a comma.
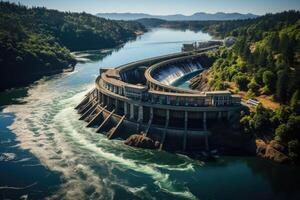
[[216, 98], [141, 94]]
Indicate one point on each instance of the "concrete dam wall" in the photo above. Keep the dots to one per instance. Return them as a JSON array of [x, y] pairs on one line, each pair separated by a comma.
[[138, 98]]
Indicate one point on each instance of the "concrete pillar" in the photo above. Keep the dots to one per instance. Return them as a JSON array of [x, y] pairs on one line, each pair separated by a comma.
[[204, 121], [151, 112], [96, 94], [219, 115], [167, 116], [104, 100], [228, 115], [117, 105], [125, 109], [99, 97], [108, 101], [206, 143], [131, 111], [140, 117]]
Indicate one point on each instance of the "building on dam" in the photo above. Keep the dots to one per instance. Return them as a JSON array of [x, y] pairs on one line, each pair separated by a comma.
[[139, 98]]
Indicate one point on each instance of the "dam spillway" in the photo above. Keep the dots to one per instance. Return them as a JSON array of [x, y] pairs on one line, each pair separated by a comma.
[[139, 98], [170, 73]]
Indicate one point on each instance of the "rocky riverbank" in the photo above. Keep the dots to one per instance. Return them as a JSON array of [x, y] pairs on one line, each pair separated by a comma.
[[272, 150]]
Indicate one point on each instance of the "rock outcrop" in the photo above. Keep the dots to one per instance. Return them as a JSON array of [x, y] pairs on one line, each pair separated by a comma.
[[200, 82], [141, 141], [273, 151]]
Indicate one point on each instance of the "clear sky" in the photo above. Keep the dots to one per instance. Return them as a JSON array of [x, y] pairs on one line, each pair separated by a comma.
[[164, 7]]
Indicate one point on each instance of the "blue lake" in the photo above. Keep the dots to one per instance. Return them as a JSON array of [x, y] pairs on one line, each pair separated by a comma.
[[50, 153]]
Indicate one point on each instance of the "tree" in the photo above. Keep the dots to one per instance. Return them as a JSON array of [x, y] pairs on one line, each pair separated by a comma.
[[295, 102], [269, 80], [262, 121], [294, 150], [281, 86], [282, 114], [242, 82], [281, 133], [289, 131], [253, 86], [246, 122], [274, 41], [286, 46]]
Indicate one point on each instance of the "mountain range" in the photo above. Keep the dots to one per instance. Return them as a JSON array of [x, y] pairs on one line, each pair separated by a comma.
[[199, 16]]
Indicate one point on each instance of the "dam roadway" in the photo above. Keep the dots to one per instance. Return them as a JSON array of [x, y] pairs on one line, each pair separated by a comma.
[[138, 98]]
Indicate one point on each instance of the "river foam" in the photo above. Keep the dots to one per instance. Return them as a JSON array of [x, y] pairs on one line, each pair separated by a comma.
[[48, 126]]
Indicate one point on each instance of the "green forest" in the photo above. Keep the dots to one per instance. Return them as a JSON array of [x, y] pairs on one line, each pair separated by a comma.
[[38, 41], [265, 60]]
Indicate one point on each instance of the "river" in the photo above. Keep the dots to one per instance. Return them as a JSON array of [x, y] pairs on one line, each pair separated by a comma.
[[46, 152]]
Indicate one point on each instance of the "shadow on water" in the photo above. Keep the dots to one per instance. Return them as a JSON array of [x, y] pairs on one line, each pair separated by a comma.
[[22, 174], [12, 96], [235, 177], [283, 179]]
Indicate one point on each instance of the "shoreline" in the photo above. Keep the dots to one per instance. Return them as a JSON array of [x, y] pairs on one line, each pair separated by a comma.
[[70, 68]]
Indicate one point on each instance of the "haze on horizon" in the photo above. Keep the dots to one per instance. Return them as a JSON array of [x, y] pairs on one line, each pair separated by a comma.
[[166, 7]]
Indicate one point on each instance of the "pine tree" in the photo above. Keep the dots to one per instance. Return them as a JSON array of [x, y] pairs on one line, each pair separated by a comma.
[[281, 86]]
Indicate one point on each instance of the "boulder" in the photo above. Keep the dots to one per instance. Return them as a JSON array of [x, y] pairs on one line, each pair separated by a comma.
[[273, 151], [274, 144], [261, 147], [276, 155], [141, 141]]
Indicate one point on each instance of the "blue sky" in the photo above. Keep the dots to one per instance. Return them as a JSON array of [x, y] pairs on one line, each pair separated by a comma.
[[165, 7]]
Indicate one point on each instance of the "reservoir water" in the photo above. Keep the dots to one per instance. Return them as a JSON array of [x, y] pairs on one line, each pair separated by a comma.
[[46, 152]]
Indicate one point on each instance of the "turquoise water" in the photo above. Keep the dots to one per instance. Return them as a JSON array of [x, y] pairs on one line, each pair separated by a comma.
[[55, 156]]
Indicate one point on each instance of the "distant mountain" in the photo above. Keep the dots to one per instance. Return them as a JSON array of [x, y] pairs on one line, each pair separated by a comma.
[[199, 16]]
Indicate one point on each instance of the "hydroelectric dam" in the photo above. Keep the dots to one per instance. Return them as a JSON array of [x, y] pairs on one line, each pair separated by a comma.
[[138, 98]]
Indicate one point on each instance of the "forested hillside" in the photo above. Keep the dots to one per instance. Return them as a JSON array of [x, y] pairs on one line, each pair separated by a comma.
[[265, 64], [37, 41]]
